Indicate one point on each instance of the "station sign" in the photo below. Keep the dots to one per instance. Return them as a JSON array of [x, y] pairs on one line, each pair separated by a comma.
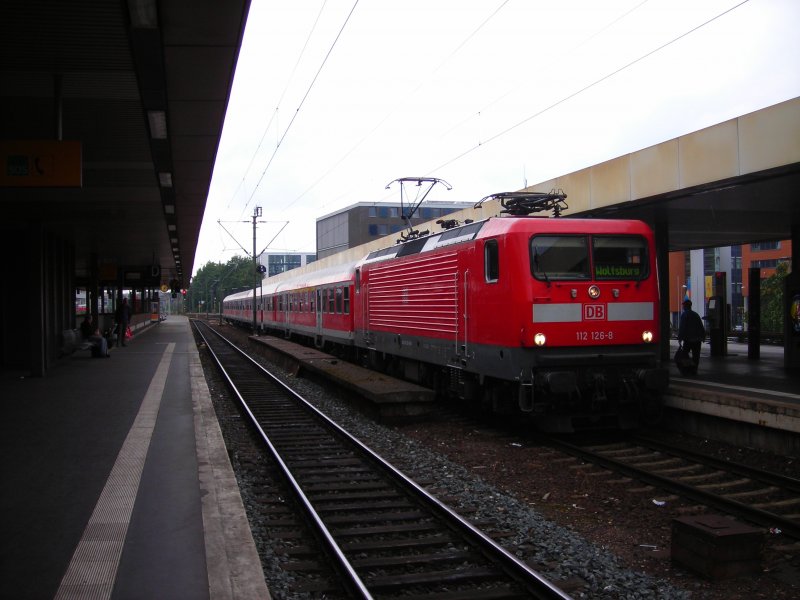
[[40, 163]]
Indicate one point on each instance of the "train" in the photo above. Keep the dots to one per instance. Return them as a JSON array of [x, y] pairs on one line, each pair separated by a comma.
[[554, 320]]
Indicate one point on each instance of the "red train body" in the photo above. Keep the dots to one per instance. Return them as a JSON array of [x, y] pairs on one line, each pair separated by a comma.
[[553, 318]]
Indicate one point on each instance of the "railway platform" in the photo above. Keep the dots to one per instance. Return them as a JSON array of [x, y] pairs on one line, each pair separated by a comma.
[[116, 481], [754, 403], [387, 397]]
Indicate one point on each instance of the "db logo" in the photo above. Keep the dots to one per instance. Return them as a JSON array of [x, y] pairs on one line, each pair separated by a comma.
[[594, 312]]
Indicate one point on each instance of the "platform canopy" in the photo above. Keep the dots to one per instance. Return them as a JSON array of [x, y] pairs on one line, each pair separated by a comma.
[[110, 120]]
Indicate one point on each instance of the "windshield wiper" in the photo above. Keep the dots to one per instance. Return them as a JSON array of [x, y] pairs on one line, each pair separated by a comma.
[[539, 269]]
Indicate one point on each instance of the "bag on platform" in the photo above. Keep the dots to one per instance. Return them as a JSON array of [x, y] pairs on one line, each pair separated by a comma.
[[683, 360], [128, 334]]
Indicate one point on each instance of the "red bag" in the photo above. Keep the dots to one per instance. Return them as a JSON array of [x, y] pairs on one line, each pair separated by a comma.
[[128, 334]]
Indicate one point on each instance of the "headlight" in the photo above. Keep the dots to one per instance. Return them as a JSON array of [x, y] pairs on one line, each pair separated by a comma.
[[539, 339], [647, 337]]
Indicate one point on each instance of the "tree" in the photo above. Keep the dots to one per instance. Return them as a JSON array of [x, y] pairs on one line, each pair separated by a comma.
[[772, 300], [213, 281]]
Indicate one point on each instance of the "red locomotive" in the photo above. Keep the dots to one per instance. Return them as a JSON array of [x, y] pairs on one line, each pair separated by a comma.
[[556, 318]]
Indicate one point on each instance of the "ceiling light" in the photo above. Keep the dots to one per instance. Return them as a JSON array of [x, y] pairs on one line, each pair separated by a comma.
[[174, 240], [158, 124], [165, 180], [169, 209], [171, 227]]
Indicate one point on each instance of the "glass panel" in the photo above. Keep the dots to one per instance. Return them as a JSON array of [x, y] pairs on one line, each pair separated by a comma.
[[559, 257], [491, 261]]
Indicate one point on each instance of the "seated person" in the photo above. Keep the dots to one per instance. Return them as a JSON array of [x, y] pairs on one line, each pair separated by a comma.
[[87, 327], [92, 334]]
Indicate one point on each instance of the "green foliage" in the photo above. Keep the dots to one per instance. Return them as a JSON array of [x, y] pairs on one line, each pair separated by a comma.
[[214, 281], [772, 300]]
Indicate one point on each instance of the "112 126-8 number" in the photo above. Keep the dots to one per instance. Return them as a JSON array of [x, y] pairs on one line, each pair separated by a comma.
[[595, 336]]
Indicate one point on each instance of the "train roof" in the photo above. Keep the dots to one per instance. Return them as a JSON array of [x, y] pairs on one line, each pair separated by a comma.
[[329, 275], [486, 228], [495, 226]]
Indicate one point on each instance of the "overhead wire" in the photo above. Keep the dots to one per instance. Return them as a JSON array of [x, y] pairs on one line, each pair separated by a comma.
[[278, 104], [499, 134], [585, 88], [302, 101], [533, 116], [572, 51], [369, 134], [441, 64]]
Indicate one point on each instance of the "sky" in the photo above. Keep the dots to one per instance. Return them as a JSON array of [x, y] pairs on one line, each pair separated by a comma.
[[334, 99]]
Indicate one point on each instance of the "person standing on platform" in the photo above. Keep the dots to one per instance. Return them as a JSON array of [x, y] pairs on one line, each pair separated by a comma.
[[691, 332], [122, 317]]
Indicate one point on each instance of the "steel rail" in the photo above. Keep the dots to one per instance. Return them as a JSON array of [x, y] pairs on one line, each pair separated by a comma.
[[733, 507], [531, 580], [353, 582], [770, 478]]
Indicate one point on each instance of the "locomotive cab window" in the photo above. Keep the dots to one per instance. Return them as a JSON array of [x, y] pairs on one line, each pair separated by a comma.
[[560, 257], [619, 257], [491, 261]]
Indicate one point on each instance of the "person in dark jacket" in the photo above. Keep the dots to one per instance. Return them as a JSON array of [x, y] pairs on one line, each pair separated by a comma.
[[691, 332], [122, 317], [87, 327]]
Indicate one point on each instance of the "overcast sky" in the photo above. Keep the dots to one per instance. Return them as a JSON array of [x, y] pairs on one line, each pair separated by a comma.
[[333, 99]]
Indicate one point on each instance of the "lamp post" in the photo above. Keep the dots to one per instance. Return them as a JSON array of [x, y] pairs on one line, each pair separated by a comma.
[[256, 215], [214, 285]]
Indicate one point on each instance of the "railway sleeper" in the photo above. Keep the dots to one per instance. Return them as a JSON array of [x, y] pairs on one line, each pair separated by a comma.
[[438, 578], [429, 540], [373, 562]]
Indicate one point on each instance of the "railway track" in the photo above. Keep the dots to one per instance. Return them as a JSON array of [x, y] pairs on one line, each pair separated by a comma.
[[381, 533], [766, 499]]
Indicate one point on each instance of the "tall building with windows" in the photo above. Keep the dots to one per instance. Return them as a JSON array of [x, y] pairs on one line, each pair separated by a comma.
[[280, 262], [366, 221]]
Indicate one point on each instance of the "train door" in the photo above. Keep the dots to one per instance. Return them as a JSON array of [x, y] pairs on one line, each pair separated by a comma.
[[286, 315], [363, 286], [463, 304], [318, 337]]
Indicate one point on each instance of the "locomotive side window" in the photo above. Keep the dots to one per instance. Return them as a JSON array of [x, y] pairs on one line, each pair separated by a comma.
[[491, 261], [560, 257], [619, 257]]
